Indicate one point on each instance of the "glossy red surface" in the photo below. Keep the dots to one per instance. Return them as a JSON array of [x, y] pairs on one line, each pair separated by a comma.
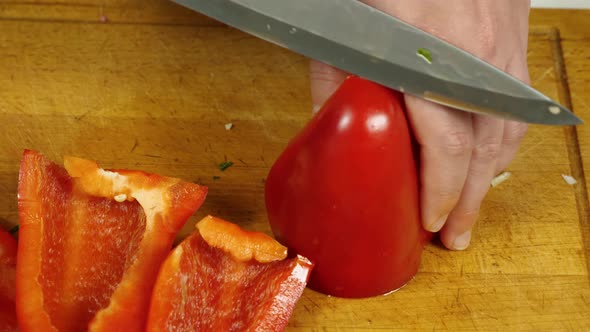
[[344, 193]]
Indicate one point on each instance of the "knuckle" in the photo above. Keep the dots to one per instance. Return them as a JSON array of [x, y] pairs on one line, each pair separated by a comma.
[[486, 37], [487, 150], [458, 143], [514, 134], [450, 196], [486, 49], [471, 213], [465, 218]]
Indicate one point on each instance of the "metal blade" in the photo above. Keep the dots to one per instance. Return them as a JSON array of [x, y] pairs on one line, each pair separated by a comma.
[[361, 40]]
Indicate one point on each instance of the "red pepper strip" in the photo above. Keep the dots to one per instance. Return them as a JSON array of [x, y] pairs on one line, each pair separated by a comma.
[[91, 243], [8, 247], [214, 281]]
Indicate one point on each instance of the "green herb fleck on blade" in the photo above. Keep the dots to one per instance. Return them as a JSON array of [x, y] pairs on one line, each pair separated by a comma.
[[424, 54], [14, 229], [225, 165]]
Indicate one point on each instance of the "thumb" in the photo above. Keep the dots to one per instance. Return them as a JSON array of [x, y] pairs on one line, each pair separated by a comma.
[[324, 80]]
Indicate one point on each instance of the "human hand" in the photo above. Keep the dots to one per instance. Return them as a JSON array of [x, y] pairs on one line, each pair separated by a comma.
[[460, 152]]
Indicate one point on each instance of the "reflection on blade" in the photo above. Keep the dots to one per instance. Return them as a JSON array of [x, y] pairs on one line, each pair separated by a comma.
[[364, 41]]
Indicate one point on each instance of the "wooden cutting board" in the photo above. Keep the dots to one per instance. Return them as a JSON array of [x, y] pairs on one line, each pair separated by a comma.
[[149, 85]]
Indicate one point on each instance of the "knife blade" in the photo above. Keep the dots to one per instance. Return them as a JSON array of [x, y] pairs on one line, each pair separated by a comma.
[[364, 41]]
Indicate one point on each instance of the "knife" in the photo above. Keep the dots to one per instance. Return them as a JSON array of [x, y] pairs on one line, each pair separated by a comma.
[[364, 41]]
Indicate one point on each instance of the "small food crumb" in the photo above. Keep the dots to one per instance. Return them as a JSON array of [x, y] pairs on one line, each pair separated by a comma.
[[225, 165], [104, 18], [228, 126], [215, 177], [120, 198], [500, 178], [424, 54], [569, 179]]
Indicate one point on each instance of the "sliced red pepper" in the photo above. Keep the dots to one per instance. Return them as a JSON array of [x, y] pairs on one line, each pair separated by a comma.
[[7, 282], [91, 242], [222, 278]]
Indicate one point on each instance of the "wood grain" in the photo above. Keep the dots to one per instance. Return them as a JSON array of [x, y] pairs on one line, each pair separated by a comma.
[[111, 11], [573, 24], [153, 86]]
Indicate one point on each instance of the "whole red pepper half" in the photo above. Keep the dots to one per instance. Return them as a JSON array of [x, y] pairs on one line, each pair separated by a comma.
[[344, 193], [223, 278], [91, 242], [8, 247]]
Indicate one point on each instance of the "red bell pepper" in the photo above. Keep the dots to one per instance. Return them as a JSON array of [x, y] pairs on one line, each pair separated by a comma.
[[8, 248], [344, 193], [222, 278], [91, 243]]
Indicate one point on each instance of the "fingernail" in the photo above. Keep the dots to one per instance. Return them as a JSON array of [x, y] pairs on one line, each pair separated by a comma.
[[315, 109], [437, 225], [462, 241]]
